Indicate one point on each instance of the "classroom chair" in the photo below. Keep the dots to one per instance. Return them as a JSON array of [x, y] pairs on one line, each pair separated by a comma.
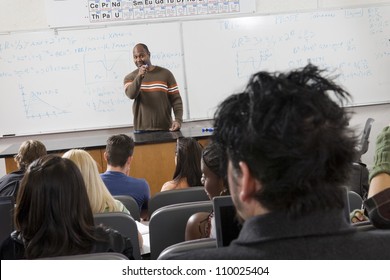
[[355, 201], [91, 256], [186, 246], [358, 181], [124, 224], [176, 196], [167, 224], [131, 205]]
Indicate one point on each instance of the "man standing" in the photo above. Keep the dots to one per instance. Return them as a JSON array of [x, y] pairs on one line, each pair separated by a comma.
[[118, 155], [289, 154], [155, 93]]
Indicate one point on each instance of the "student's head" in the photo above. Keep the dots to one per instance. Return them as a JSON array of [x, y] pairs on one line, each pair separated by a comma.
[[141, 55], [287, 141], [52, 210], [29, 151], [188, 156], [213, 178], [118, 150], [99, 196]]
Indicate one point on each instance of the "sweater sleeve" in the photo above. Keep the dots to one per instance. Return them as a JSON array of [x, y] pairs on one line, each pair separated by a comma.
[[132, 84], [382, 154], [177, 106]]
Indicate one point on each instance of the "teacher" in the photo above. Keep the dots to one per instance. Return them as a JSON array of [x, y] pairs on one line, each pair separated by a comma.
[[155, 93]]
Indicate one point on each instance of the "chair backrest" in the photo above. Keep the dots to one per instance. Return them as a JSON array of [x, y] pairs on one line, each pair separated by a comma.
[[186, 246], [176, 196], [124, 224], [131, 205], [358, 181], [7, 205], [355, 201], [167, 224], [91, 256]]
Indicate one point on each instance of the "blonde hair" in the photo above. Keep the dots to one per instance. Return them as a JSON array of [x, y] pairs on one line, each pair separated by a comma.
[[100, 198]]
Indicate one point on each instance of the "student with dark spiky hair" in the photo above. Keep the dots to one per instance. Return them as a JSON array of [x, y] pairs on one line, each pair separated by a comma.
[[289, 154]]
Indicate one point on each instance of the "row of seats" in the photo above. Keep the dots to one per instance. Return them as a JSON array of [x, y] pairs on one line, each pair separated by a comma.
[[126, 224], [162, 199], [167, 223]]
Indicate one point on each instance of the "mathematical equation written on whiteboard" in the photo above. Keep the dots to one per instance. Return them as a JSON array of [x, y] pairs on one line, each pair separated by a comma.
[[119, 10]]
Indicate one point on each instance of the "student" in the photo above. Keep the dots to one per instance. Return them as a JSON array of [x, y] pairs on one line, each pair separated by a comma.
[[378, 202], [289, 152], [202, 224], [53, 216], [155, 94], [118, 155], [29, 151], [187, 159], [99, 197]]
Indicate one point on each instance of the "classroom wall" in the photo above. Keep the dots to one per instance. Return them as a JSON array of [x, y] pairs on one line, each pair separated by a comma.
[[24, 15]]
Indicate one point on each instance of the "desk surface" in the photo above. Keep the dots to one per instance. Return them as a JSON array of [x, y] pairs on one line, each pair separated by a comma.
[[91, 142]]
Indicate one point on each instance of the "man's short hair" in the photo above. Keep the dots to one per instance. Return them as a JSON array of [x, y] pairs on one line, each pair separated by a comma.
[[145, 47], [118, 149], [29, 151], [293, 136]]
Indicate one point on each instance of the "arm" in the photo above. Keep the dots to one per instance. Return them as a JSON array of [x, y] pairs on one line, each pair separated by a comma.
[[144, 215], [379, 183], [175, 100], [196, 226], [380, 173], [132, 84], [140, 240], [144, 210], [177, 106], [378, 202]]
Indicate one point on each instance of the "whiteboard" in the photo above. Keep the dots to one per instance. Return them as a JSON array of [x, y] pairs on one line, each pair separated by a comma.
[[73, 80], [351, 43]]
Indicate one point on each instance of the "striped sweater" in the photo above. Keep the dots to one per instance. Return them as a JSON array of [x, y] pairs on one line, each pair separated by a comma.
[[155, 96]]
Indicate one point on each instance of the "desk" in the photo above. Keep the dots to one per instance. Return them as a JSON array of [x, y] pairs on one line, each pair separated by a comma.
[[143, 228], [154, 154]]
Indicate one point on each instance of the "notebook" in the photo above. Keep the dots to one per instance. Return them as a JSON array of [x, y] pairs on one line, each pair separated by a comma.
[[226, 224]]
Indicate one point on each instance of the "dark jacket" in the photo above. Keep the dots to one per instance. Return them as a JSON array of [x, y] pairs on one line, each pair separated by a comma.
[[9, 184], [324, 235], [109, 240]]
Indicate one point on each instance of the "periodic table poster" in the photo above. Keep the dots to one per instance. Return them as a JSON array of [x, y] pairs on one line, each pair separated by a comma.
[[67, 13]]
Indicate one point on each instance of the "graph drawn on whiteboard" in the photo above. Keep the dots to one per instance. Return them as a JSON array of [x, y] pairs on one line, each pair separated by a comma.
[[109, 67], [42, 103], [248, 61]]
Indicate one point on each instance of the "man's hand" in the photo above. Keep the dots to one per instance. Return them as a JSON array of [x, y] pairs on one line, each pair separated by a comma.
[[357, 216], [175, 126], [142, 70]]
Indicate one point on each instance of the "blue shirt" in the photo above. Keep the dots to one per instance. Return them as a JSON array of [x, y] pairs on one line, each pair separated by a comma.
[[120, 184]]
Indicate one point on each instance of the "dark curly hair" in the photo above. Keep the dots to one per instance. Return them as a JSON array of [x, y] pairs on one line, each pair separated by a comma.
[[294, 137]]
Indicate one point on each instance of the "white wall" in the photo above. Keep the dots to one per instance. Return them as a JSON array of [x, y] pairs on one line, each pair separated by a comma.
[[24, 15]]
